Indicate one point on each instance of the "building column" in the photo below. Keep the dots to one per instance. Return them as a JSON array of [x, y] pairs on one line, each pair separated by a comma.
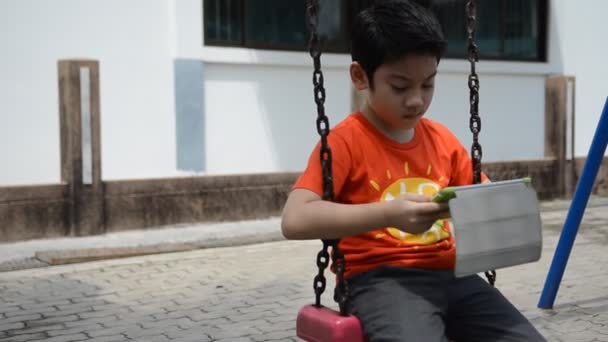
[[79, 115], [559, 127]]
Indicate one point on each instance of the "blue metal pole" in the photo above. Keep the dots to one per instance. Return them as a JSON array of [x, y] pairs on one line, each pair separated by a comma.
[[575, 214]]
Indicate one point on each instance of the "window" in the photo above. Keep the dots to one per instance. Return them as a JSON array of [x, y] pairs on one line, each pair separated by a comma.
[[272, 24], [223, 21], [507, 29]]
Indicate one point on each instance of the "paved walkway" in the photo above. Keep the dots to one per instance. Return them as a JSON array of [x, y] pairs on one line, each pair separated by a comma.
[[253, 292]]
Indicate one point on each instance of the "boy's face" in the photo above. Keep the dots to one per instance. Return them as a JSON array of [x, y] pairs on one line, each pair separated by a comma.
[[402, 90]]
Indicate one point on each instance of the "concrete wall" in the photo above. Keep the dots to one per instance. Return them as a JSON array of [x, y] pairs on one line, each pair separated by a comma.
[[578, 48], [270, 109], [258, 109], [263, 100], [34, 212], [131, 40]]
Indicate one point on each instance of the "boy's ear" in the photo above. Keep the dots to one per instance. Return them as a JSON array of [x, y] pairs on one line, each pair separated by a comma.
[[358, 76]]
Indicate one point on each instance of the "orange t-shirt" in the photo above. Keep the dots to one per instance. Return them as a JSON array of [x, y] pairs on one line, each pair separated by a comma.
[[369, 167]]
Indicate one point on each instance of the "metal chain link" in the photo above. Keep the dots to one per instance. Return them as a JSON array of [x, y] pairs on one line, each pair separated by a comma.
[[341, 292], [475, 119]]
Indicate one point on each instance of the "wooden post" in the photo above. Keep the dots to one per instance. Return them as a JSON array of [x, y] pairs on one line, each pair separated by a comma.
[[555, 127], [571, 172], [79, 117]]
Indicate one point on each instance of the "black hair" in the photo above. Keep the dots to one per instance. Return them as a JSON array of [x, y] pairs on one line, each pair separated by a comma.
[[390, 29]]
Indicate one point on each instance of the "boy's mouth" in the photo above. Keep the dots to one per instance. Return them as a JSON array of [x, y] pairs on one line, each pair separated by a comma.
[[411, 116]]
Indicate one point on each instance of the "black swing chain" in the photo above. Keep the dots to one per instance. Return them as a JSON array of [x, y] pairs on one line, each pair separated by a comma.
[[475, 120], [341, 292]]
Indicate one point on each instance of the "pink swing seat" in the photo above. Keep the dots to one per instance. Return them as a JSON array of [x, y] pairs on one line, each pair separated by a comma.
[[321, 324]]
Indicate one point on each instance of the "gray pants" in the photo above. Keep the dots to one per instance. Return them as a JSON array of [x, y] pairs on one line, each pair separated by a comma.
[[404, 304]]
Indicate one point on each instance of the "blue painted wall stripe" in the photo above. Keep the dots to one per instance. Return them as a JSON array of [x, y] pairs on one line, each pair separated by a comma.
[[190, 118]]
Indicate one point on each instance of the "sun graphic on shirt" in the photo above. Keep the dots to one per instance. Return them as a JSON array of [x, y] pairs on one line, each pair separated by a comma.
[[414, 185]]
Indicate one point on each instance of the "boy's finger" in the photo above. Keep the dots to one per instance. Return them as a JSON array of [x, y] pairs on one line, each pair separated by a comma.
[[431, 208], [416, 197], [445, 214]]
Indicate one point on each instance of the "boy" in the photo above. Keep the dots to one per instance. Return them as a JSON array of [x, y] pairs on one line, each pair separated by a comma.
[[388, 161]]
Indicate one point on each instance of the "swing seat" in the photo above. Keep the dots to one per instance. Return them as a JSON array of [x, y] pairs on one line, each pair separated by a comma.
[[321, 324], [496, 225]]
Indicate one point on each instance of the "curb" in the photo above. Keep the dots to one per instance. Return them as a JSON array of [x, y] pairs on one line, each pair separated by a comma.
[[73, 256], [218, 239]]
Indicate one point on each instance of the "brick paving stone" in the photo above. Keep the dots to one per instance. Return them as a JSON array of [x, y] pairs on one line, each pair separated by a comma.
[[253, 293]]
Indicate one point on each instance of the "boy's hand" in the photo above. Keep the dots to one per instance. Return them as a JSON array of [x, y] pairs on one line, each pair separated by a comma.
[[414, 213]]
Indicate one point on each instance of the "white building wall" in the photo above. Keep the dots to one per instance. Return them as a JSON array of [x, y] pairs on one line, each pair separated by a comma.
[[511, 107], [259, 109], [132, 42], [264, 121], [258, 105], [265, 99], [579, 36]]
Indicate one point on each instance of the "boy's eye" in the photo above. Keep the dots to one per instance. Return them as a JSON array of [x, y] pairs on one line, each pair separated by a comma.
[[428, 86], [395, 88]]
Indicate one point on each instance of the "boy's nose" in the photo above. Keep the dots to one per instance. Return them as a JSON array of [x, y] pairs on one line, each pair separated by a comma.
[[414, 102]]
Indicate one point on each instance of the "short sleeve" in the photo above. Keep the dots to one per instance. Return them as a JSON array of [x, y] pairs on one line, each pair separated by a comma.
[[312, 177]]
